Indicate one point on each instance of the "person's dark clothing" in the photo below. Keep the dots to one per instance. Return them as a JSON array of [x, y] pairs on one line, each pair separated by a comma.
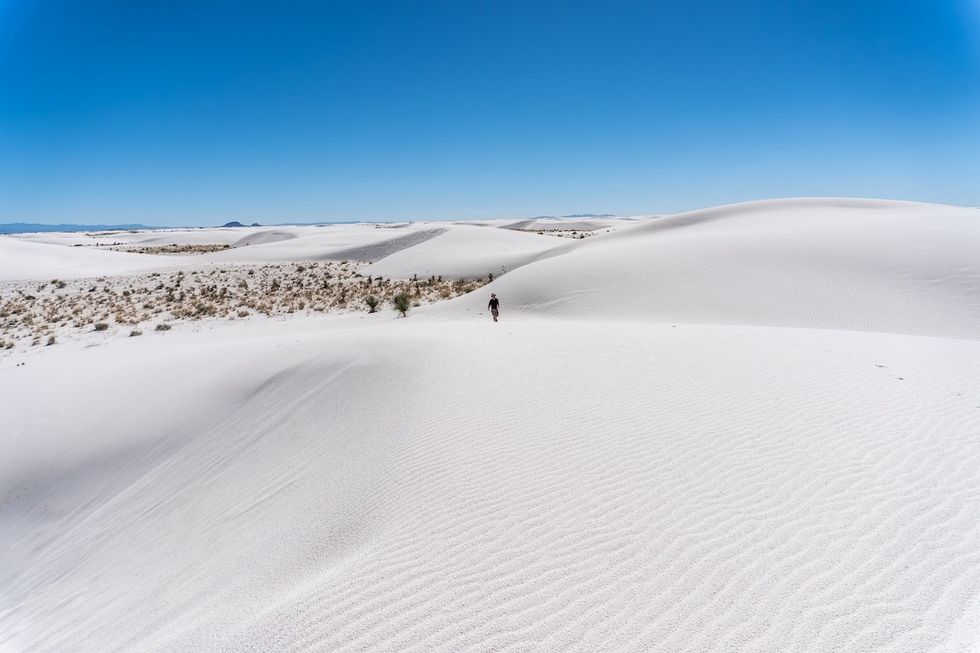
[[494, 304]]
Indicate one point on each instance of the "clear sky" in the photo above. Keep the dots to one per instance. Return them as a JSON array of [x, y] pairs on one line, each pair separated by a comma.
[[181, 113]]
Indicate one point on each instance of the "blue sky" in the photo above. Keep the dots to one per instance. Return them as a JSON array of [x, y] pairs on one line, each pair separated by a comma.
[[181, 113]]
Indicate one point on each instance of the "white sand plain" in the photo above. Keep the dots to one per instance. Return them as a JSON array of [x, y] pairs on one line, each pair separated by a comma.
[[751, 428]]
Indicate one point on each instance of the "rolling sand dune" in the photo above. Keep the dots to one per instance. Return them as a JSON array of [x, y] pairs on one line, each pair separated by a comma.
[[749, 428], [225, 236], [265, 236], [388, 246], [837, 264], [565, 224], [20, 259], [332, 242], [466, 252]]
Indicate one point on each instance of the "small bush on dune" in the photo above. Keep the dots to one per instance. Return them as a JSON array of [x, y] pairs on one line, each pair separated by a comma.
[[134, 333], [372, 303], [163, 327], [101, 326], [402, 303]]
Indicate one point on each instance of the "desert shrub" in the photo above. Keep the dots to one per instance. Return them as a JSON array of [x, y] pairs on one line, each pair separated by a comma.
[[163, 327], [134, 333], [242, 312], [101, 326], [51, 341], [402, 303], [372, 303]]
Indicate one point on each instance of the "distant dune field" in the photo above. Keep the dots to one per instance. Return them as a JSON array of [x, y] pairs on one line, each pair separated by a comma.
[[747, 428]]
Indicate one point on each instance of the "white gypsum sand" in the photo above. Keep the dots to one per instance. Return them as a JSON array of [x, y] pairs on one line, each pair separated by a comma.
[[746, 428]]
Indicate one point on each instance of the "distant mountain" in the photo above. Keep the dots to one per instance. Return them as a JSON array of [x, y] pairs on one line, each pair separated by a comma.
[[27, 228], [236, 223]]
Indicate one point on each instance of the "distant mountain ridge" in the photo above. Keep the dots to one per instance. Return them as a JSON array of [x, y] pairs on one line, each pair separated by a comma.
[[28, 227]]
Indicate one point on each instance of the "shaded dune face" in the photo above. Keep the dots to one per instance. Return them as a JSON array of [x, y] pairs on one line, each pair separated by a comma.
[[385, 248], [750, 428], [263, 237]]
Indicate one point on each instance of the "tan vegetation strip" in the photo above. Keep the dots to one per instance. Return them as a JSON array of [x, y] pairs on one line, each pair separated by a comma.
[[33, 313], [175, 248]]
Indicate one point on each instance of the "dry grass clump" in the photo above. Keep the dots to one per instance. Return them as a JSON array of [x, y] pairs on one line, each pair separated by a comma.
[[30, 313]]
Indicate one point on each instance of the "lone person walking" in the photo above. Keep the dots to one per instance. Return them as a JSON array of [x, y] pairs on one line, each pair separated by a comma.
[[494, 306]]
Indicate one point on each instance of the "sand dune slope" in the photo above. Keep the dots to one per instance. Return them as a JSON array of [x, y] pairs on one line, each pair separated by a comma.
[[705, 488], [21, 259], [840, 264], [464, 251]]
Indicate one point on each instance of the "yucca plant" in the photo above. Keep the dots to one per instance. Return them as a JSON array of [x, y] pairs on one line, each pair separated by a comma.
[[402, 303]]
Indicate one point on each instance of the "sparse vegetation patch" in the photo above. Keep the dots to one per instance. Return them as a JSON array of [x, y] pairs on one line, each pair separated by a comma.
[[562, 233], [33, 313], [175, 248]]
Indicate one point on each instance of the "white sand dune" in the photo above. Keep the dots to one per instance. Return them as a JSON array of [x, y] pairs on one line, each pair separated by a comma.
[[21, 259], [265, 236], [458, 250], [356, 242], [463, 251], [566, 224], [798, 470], [838, 264]]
